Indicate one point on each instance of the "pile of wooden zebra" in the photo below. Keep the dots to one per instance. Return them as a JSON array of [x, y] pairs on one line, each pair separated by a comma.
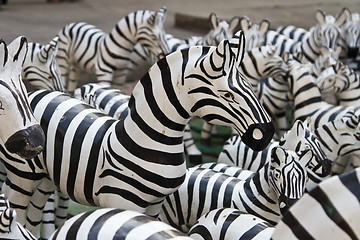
[[126, 153]]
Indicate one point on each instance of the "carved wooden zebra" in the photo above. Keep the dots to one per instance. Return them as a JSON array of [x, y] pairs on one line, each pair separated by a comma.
[[83, 45], [113, 223], [41, 70], [324, 34], [9, 227], [219, 30], [254, 33], [20, 134], [350, 33], [267, 194], [134, 163]]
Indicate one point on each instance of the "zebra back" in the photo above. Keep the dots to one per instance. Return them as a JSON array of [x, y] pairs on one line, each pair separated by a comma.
[[254, 33], [9, 227], [230, 223], [266, 194], [111, 223], [41, 70]]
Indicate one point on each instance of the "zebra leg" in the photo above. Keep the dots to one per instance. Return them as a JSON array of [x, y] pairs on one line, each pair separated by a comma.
[[72, 80], [2, 174], [48, 218], [192, 151], [36, 206], [19, 196], [61, 211]]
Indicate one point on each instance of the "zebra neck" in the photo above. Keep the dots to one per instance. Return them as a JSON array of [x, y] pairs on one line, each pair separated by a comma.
[[329, 141], [309, 47]]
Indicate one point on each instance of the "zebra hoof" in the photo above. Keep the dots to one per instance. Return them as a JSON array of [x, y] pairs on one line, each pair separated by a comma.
[[195, 159]]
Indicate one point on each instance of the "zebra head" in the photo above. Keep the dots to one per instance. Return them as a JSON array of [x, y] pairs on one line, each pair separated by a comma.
[[254, 33], [220, 30], [288, 175], [221, 95], [267, 62], [327, 58], [40, 68], [9, 228], [151, 34], [336, 79], [350, 33], [299, 138], [327, 31], [20, 131]]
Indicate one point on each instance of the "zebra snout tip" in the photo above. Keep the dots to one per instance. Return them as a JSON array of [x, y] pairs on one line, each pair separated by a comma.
[[27, 143], [353, 52], [285, 204], [258, 136]]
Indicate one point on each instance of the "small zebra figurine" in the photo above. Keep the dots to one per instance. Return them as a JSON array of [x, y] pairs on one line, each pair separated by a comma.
[[9, 228], [113, 223], [20, 133], [136, 162], [267, 194], [254, 33], [82, 45]]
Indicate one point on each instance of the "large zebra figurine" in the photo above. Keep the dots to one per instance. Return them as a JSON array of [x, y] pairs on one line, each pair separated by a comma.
[[41, 70], [9, 227], [20, 134], [82, 45], [329, 211], [136, 162], [267, 193], [114, 223], [219, 30]]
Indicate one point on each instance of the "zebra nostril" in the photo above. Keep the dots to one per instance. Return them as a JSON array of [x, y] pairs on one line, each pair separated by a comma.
[[257, 134]]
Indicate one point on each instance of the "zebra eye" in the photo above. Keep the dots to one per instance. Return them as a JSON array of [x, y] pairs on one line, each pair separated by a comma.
[[50, 77]]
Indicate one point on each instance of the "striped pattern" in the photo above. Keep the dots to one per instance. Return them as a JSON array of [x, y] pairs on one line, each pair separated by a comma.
[[111, 223], [328, 206], [229, 223], [9, 228], [40, 69], [136, 162], [266, 194], [299, 137], [82, 45]]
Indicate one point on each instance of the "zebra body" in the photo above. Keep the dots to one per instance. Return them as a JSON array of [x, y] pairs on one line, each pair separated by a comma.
[[82, 45], [134, 163], [334, 204], [266, 194], [9, 227], [230, 223], [219, 30], [41, 70], [20, 133], [112, 223]]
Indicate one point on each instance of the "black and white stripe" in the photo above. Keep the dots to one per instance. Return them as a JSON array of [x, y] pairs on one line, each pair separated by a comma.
[[266, 194], [134, 163], [113, 223], [83, 45]]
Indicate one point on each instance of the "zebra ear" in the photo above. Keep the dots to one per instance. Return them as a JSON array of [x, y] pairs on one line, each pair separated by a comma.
[[305, 156], [3, 53], [244, 23], [237, 44], [17, 51], [45, 52], [337, 51], [272, 49], [343, 17], [159, 17], [285, 56], [321, 17], [264, 26], [234, 23], [214, 20], [277, 154]]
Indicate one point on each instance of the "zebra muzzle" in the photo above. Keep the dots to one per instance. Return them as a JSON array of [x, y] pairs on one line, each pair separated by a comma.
[[27, 143], [285, 203], [352, 52], [258, 135]]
